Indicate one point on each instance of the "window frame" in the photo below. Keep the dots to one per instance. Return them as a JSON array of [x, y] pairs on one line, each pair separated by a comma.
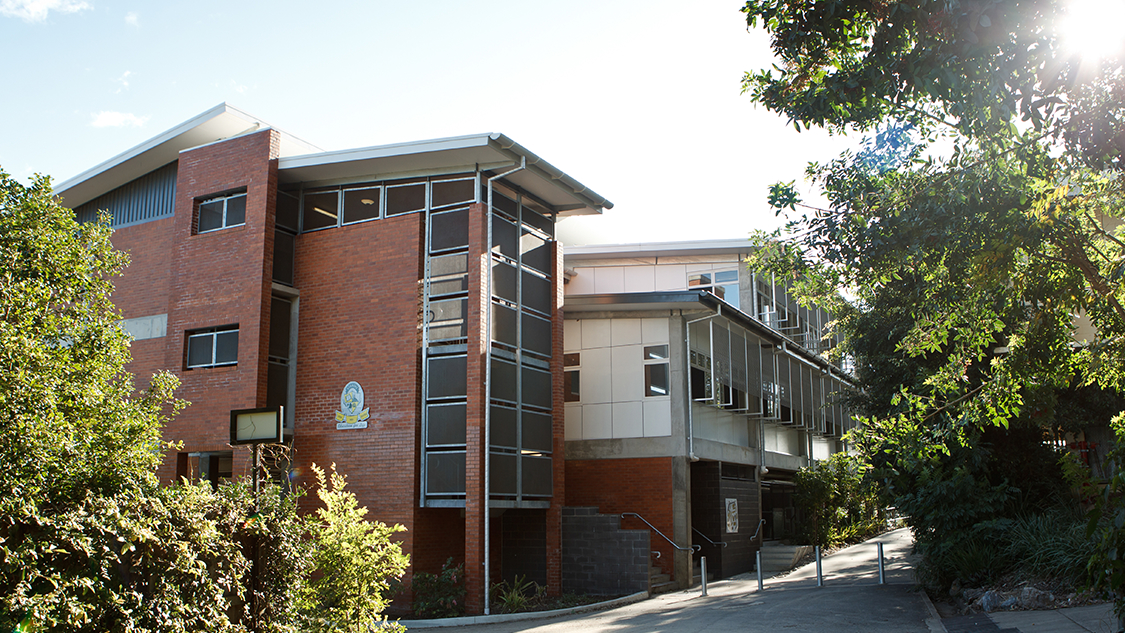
[[653, 359], [212, 333], [225, 198], [572, 364]]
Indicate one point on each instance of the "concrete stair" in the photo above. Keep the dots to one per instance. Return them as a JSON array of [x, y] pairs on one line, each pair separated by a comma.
[[658, 581], [779, 557]]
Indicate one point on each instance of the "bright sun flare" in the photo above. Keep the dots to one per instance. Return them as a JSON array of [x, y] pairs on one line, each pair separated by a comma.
[[1094, 28]]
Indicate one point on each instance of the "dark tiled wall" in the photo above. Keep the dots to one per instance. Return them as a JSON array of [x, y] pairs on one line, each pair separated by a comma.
[[709, 492]]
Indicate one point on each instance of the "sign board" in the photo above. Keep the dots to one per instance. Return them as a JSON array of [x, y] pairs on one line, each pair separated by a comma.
[[257, 426], [732, 516]]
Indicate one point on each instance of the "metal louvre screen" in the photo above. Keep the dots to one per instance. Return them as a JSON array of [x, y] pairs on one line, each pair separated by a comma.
[[520, 381]]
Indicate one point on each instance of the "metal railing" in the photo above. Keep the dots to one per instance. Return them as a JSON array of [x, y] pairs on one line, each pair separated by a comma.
[[652, 527], [758, 531], [720, 543]]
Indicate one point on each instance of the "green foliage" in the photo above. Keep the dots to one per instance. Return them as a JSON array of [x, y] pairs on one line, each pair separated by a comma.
[[439, 595], [517, 595], [1106, 527], [838, 503], [355, 559], [964, 272], [88, 539]]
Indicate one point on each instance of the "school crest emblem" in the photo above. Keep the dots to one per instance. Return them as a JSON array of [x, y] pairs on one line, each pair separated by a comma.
[[352, 415]]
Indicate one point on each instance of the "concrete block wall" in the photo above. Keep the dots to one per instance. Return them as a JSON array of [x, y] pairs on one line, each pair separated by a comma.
[[601, 558], [615, 486]]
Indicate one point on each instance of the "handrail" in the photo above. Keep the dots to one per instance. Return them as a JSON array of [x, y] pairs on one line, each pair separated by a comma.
[[723, 543], [760, 524], [653, 528]]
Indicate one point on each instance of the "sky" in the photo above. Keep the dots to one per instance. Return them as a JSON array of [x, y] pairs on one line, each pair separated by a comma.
[[639, 101]]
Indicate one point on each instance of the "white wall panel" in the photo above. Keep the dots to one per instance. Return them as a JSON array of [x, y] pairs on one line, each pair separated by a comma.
[[597, 421], [582, 283], [610, 279], [596, 379], [626, 332], [573, 423], [572, 335], [658, 417], [640, 278], [628, 375], [628, 419], [654, 331], [595, 333], [671, 277]]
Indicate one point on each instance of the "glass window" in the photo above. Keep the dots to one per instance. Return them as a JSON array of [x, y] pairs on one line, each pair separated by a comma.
[[221, 212], [447, 192], [406, 198], [321, 210], [723, 284], [288, 210], [656, 379], [572, 388], [361, 204], [213, 347], [656, 370]]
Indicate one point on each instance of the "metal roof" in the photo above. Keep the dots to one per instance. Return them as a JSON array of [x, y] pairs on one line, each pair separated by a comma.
[[220, 122], [300, 161], [492, 151], [658, 249]]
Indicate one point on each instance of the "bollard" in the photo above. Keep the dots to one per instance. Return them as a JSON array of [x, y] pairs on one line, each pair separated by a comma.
[[703, 573], [882, 576], [758, 566], [819, 577]]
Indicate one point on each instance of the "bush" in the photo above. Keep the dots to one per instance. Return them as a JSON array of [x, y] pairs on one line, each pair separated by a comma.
[[355, 559], [837, 504], [439, 595]]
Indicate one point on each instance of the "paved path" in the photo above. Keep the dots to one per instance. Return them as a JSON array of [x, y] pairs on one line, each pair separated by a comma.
[[1096, 618], [851, 600]]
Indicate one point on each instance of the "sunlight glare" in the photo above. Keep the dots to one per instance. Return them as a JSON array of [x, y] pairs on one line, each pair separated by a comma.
[[1093, 28]]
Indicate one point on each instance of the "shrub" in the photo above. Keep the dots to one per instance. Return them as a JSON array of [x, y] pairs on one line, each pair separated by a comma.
[[838, 505], [355, 560], [439, 595]]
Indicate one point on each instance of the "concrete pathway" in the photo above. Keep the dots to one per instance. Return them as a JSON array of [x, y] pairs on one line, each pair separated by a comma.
[[1096, 618], [850, 600]]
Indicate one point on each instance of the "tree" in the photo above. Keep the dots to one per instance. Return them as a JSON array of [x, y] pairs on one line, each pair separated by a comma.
[[966, 270], [356, 559], [89, 540]]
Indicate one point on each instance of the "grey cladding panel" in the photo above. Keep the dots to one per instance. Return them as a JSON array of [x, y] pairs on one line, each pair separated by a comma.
[[147, 198]]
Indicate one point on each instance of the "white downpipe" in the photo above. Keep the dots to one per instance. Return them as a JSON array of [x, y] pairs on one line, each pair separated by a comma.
[[487, 439]]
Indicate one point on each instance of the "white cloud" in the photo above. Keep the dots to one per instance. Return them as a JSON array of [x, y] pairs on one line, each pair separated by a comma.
[[124, 79], [133, 19], [37, 10], [117, 119]]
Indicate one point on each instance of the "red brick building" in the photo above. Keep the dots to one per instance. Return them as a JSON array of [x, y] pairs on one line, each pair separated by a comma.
[[374, 295]]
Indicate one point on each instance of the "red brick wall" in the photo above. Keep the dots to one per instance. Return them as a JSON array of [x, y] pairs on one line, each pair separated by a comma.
[[218, 278], [142, 289], [477, 401], [643, 486], [358, 321]]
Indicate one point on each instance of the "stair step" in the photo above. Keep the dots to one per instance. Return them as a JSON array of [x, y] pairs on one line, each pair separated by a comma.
[[656, 579], [664, 587]]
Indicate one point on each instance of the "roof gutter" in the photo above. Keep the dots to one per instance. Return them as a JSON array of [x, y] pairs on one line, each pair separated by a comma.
[[549, 172]]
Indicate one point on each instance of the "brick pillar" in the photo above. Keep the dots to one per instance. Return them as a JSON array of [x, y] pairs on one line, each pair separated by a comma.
[[558, 424], [475, 443]]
